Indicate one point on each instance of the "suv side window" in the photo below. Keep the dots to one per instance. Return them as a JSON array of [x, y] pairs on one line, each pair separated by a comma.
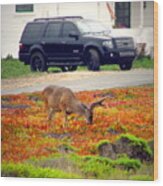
[[68, 28], [53, 30]]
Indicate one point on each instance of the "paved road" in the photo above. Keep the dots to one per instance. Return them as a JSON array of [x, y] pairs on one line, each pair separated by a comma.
[[79, 81]]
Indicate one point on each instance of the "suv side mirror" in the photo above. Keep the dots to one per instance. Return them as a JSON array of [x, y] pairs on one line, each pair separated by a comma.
[[73, 34]]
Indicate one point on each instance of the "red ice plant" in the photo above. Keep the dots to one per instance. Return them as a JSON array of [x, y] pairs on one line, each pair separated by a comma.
[[25, 130]]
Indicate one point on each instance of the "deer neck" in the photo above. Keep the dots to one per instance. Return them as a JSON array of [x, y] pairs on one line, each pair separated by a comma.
[[80, 108]]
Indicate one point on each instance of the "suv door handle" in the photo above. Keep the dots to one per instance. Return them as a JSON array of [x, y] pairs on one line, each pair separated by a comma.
[[43, 42], [63, 42]]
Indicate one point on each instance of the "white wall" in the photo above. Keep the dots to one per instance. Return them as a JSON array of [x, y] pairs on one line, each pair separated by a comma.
[[136, 14], [148, 14]]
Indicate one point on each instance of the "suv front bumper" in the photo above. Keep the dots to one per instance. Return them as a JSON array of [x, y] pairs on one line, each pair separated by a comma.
[[119, 56]]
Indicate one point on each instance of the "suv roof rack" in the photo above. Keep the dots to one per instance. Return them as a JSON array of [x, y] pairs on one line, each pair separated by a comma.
[[58, 18]]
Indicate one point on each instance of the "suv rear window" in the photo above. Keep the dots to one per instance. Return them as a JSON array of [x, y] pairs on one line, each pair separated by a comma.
[[53, 30], [32, 32]]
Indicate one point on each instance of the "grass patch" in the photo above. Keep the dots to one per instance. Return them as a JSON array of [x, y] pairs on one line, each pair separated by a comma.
[[103, 68], [29, 171], [12, 68], [75, 166], [144, 62], [141, 178]]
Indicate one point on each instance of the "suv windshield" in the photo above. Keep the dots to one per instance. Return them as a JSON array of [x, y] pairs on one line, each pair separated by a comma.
[[89, 26]]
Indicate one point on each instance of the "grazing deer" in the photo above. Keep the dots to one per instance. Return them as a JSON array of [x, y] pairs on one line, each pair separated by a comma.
[[61, 99]]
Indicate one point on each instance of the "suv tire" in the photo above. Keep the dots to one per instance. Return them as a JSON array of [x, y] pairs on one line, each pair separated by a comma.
[[126, 66], [93, 60], [69, 68], [37, 62]]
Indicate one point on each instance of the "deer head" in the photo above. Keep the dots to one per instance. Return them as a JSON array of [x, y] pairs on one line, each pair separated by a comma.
[[90, 108]]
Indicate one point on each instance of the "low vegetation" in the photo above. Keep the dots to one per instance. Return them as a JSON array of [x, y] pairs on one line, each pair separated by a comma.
[[33, 148], [30, 171], [11, 68], [75, 166]]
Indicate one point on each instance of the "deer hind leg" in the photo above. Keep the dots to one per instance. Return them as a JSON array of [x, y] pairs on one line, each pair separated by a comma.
[[65, 119], [64, 111]]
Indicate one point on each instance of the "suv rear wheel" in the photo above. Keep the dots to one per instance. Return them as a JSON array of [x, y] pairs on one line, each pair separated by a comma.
[[126, 66], [37, 62], [93, 60], [69, 68]]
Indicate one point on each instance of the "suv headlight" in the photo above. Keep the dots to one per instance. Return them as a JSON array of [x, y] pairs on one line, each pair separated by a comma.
[[108, 44]]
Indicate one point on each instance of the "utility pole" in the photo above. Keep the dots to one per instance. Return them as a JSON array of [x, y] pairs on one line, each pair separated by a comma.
[[141, 14], [57, 9]]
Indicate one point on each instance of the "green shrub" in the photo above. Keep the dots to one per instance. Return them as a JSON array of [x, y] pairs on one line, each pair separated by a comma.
[[96, 167], [29, 171], [127, 163], [99, 159], [102, 168]]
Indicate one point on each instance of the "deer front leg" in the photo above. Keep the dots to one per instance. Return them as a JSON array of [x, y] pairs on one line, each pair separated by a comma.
[[65, 119], [51, 113]]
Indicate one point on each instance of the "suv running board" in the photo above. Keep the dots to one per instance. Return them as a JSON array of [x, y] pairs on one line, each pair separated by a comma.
[[65, 63]]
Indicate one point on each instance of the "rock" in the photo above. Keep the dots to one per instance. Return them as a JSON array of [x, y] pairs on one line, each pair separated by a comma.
[[113, 131], [65, 149], [58, 136], [134, 147], [10, 106], [107, 150], [34, 98]]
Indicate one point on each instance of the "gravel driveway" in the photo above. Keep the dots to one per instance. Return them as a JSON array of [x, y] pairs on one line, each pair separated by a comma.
[[79, 81]]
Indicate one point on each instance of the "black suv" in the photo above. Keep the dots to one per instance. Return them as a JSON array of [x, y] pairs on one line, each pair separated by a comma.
[[67, 42]]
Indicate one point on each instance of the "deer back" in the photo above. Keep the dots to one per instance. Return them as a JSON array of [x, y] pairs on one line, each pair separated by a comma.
[[60, 98]]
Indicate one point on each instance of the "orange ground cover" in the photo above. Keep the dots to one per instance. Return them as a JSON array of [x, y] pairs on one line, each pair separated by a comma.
[[25, 131]]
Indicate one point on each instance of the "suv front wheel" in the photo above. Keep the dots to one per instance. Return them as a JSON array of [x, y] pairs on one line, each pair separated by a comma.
[[37, 62], [92, 59], [126, 66]]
